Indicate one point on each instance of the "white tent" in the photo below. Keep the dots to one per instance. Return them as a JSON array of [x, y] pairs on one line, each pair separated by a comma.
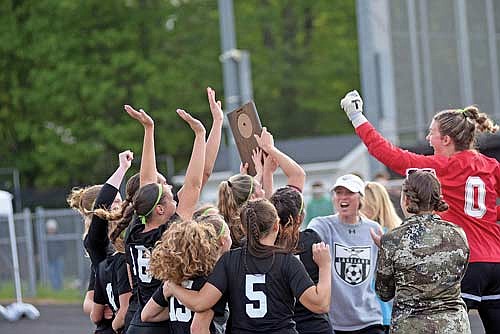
[[18, 309]]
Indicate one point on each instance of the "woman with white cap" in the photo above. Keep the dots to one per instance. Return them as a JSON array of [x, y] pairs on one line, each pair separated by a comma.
[[354, 308]]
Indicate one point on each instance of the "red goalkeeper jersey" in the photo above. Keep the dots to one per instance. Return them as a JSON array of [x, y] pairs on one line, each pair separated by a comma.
[[470, 185]]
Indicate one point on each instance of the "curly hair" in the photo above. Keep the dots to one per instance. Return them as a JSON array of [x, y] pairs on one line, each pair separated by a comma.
[[186, 250], [423, 193], [82, 200], [462, 125], [233, 193], [289, 204]]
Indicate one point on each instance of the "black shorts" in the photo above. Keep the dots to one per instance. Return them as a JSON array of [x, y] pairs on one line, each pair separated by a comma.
[[481, 285]]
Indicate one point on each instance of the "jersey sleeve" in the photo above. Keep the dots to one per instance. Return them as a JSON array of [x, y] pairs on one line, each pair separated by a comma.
[[99, 291], [298, 278], [91, 285], [317, 226], [159, 297], [97, 237], [394, 157], [218, 277], [123, 284]]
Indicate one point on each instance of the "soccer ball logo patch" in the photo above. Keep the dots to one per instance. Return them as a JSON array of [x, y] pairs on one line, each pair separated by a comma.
[[352, 264]]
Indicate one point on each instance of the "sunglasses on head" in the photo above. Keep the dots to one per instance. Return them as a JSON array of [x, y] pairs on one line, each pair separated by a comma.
[[410, 171]]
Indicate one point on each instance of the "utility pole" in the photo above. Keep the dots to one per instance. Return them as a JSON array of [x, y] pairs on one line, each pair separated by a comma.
[[236, 74]]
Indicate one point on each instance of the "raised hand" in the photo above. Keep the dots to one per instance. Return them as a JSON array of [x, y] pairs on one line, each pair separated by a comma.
[[215, 106], [265, 140], [352, 104], [125, 158], [140, 115], [195, 124], [270, 164], [257, 161], [321, 254], [243, 168]]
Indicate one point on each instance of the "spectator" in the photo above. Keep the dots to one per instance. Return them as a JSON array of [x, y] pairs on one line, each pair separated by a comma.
[[319, 205], [55, 255]]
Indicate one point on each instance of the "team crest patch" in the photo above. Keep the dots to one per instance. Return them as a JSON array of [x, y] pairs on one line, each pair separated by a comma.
[[352, 264]]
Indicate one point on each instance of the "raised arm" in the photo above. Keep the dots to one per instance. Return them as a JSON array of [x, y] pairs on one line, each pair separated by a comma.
[[295, 174], [317, 298], [190, 191], [379, 147], [270, 166], [214, 137], [148, 172]]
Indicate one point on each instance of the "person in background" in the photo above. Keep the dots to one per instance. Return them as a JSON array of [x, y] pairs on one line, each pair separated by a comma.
[[422, 262], [319, 205], [55, 255], [378, 207], [354, 308]]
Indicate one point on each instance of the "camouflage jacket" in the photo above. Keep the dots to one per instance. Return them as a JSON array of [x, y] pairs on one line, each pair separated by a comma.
[[421, 264]]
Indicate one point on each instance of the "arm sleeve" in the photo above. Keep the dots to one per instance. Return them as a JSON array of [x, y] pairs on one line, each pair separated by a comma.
[[122, 277], [99, 291], [385, 285], [394, 157], [159, 298], [91, 285], [298, 278], [97, 237], [218, 277], [219, 307], [316, 226]]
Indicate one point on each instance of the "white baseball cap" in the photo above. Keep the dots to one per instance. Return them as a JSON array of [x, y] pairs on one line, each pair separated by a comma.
[[351, 182]]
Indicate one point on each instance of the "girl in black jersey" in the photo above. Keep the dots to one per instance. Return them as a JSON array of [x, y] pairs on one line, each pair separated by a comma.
[[154, 204], [186, 255], [289, 204], [260, 280]]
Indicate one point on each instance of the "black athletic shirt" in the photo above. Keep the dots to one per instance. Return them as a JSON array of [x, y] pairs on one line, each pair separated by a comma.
[[111, 281], [139, 245], [307, 321], [261, 300], [180, 316]]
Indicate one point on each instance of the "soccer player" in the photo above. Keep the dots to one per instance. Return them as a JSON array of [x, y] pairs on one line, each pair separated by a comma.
[[470, 183], [261, 280], [186, 255], [154, 204]]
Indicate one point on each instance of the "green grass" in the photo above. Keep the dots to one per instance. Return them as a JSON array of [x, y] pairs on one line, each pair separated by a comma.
[[43, 294]]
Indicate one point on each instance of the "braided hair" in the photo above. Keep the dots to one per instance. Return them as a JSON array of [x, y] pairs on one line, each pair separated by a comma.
[[423, 192]]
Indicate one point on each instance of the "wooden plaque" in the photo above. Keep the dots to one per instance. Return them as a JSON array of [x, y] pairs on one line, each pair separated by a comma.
[[244, 123]]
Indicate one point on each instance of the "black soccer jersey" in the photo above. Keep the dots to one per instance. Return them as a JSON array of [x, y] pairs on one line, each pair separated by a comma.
[[140, 244], [180, 316], [96, 241], [261, 299], [111, 281], [307, 321]]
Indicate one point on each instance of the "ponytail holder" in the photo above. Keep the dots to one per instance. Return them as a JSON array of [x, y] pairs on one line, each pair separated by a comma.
[[221, 233], [251, 189], [160, 192]]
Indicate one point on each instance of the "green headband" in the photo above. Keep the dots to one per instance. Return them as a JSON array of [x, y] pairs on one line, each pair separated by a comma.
[[301, 204], [205, 212], [223, 228], [160, 192], [251, 188]]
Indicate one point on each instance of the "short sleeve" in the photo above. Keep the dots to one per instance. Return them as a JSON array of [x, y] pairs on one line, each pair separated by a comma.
[[159, 298], [297, 276], [99, 292], [316, 226], [218, 277], [122, 277]]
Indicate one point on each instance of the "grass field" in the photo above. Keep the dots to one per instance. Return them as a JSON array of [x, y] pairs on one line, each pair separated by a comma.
[[44, 294]]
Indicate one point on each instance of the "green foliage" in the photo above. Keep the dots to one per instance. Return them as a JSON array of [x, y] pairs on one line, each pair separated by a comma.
[[69, 66]]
